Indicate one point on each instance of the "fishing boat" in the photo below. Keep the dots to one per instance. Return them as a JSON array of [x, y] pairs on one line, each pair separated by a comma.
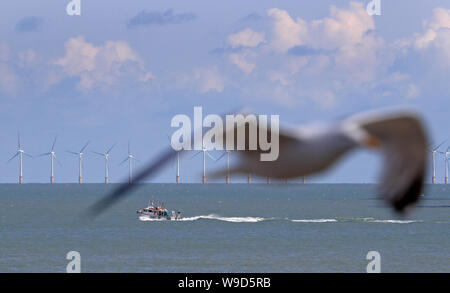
[[158, 212]]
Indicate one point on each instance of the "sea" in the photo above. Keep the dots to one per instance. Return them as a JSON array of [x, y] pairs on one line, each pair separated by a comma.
[[225, 228]]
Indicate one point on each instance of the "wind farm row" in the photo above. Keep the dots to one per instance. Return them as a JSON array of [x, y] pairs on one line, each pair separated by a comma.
[[20, 153], [80, 154], [436, 150]]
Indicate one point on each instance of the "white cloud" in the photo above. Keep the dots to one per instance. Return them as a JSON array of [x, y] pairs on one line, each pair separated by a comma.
[[26, 58], [413, 91], [344, 27], [8, 77], [438, 25], [286, 32], [339, 49], [101, 65], [246, 38], [205, 79], [239, 59]]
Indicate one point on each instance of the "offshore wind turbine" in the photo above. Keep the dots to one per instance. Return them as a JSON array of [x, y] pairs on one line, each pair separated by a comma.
[[52, 160], [205, 153], [227, 153], [178, 162], [433, 152], [446, 154], [130, 159], [20, 152], [178, 167], [80, 162], [106, 156]]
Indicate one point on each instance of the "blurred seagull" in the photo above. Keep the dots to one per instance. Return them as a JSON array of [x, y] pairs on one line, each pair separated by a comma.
[[398, 135]]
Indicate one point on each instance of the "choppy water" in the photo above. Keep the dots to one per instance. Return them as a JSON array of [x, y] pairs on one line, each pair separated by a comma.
[[226, 228]]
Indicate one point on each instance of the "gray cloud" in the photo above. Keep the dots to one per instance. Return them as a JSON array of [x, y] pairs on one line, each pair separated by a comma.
[[29, 24], [306, 51], [252, 17], [144, 18]]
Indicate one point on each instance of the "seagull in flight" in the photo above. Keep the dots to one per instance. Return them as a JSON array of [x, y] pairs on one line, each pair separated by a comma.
[[398, 135]]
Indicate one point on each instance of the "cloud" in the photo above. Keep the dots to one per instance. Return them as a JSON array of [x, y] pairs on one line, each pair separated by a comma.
[[306, 51], [239, 59], [436, 38], [26, 58], [344, 27], [29, 24], [246, 38], [313, 59], [286, 32], [252, 17], [204, 79], [8, 78], [144, 18], [413, 91], [101, 65]]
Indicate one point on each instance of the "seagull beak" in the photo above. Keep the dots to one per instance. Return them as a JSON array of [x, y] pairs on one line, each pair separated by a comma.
[[372, 142]]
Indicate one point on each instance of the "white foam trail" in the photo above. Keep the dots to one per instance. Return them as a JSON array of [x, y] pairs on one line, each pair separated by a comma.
[[315, 220], [258, 219], [394, 221], [226, 219], [212, 217]]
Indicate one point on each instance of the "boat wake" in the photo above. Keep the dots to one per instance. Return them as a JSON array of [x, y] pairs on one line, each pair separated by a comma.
[[211, 217], [315, 220], [259, 219]]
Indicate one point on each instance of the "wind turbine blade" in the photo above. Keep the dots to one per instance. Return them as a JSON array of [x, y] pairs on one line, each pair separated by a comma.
[[123, 190], [27, 154], [196, 154], [440, 144], [41, 155], [100, 154], [110, 149], [70, 152], [13, 157], [129, 147], [59, 163], [18, 140], [84, 147], [54, 142], [209, 155], [223, 155], [126, 159]]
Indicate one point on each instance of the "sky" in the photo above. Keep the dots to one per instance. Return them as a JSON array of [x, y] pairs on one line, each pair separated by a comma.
[[121, 70]]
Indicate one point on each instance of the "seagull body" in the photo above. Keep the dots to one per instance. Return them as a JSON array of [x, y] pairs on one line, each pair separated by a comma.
[[398, 135]]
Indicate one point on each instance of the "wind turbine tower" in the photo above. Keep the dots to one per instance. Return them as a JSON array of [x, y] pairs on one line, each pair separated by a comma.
[[178, 167], [433, 152], [20, 152], [446, 154], [178, 161], [80, 162], [52, 160], [106, 156], [227, 153], [130, 159], [205, 153]]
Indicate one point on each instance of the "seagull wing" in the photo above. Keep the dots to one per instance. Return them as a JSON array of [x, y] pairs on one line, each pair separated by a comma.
[[403, 144]]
